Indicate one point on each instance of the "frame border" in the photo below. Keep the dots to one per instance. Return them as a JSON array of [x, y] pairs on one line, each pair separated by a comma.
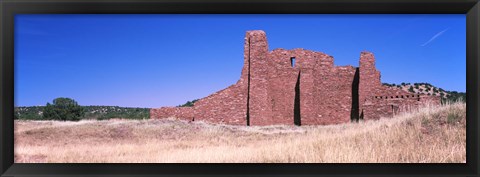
[[8, 9]]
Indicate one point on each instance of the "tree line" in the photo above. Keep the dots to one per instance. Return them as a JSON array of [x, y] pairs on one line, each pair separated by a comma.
[[68, 109]]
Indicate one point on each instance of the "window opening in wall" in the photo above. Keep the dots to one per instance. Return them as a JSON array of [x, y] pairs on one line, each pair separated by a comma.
[[292, 61]]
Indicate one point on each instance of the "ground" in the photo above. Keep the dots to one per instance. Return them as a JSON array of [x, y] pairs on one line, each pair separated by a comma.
[[429, 135]]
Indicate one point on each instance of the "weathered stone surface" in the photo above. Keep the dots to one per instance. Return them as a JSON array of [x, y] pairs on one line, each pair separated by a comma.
[[299, 87], [185, 113]]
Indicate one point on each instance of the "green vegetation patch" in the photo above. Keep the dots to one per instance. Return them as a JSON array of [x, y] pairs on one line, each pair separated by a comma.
[[67, 109]]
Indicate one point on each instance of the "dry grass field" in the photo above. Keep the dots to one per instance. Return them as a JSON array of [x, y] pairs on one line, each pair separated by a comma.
[[428, 135]]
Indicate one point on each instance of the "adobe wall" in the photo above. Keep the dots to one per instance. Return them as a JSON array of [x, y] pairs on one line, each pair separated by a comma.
[[311, 90]]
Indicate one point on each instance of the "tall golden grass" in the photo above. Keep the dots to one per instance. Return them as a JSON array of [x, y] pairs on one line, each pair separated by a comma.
[[433, 134]]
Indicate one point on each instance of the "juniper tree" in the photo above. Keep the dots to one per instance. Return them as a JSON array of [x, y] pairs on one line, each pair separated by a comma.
[[63, 109]]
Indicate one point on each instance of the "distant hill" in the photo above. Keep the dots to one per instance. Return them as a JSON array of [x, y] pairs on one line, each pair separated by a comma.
[[429, 89], [91, 112]]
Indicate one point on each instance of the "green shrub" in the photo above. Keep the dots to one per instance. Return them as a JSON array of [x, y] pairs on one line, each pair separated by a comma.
[[411, 89]]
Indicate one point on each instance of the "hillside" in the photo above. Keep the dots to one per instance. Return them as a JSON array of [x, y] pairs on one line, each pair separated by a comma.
[[429, 135], [91, 112], [429, 89]]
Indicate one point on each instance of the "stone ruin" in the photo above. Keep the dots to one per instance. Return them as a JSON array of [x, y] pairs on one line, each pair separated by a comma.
[[298, 87]]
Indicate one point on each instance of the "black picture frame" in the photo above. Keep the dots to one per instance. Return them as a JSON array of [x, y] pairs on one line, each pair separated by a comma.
[[471, 8]]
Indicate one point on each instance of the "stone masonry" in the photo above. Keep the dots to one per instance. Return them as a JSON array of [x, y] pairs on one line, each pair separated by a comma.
[[298, 87]]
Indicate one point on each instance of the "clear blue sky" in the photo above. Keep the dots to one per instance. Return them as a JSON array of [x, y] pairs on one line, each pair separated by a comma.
[[166, 60]]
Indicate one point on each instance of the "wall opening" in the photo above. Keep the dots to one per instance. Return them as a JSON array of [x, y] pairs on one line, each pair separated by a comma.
[[296, 106], [354, 113], [292, 61]]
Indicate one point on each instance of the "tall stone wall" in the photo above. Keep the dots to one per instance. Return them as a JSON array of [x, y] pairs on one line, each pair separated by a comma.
[[299, 87], [291, 79], [282, 78], [259, 110], [335, 94], [369, 83], [318, 79]]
